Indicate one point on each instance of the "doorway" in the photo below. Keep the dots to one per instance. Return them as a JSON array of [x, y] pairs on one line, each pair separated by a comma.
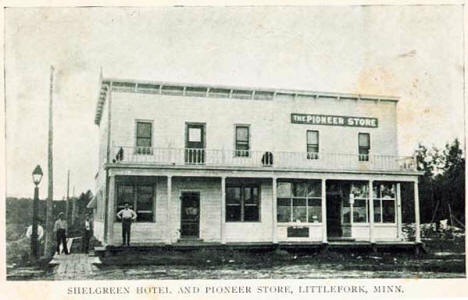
[[190, 215], [334, 229], [195, 143], [338, 210]]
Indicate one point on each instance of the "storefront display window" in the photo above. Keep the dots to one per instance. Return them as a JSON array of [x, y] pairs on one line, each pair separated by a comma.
[[360, 196], [384, 202], [299, 201]]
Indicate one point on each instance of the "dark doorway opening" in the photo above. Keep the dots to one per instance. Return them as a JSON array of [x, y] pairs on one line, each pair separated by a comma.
[[338, 210], [190, 215]]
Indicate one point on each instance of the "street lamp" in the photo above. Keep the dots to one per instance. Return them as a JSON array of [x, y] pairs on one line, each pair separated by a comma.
[[37, 176]]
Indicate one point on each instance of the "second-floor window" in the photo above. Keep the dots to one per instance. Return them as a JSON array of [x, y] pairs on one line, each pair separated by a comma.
[[242, 140], [143, 137], [312, 144], [364, 146]]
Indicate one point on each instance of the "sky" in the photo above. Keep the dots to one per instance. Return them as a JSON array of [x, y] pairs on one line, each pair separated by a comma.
[[414, 52]]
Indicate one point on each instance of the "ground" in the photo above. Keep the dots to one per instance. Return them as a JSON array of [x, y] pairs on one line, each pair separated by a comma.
[[445, 259]]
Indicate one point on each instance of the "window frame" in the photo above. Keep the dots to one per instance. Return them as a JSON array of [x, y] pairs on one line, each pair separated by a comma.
[[241, 152], [243, 203], [381, 200], [143, 150], [361, 149], [367, 204], [305, 198], [134, 202], [312, 155]]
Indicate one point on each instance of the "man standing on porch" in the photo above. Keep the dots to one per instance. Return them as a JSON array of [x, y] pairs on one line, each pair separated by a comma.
[[127, 215]]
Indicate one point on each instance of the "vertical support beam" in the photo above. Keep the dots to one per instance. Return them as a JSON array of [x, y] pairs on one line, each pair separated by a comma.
[[67, 203], [274, 197], [416, 212], [49, 228], [324, 211], [371, 212], [106, 207], [108, 160], [223, 210], [168, 217], [111, 211], [398, 210]]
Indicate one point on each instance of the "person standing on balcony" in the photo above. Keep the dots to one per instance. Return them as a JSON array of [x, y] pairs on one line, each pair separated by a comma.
[[60, 229], [127, 215]]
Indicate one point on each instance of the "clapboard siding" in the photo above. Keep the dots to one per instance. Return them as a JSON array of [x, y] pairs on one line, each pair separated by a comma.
[[210, 206], [98, 230], [386, 232], [148, 232], [382, 232], [254, 231], [315, 233]]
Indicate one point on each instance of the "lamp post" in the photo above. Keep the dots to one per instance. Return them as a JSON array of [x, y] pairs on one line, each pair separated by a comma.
[[37, 176]]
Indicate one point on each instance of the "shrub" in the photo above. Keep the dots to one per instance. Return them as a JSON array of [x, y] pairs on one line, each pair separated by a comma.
[[18, 252]]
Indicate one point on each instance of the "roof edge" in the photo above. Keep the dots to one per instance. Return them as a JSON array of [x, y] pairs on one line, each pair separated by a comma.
[[106, 82]]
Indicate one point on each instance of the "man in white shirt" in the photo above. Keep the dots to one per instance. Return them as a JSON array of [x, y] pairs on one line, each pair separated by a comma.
[[40, 232], [127, 215], [60, 229]]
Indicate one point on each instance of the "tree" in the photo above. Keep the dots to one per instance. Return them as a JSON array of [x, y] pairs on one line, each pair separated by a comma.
[[79, 210], [442, 186], [452, 182]]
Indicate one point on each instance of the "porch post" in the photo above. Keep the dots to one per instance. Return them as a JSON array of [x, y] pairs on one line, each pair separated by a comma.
[[274, 235], [168, 222], [324, 212], [398, 210], [111, 211], [371, 212], [416, 212], [223, 210]]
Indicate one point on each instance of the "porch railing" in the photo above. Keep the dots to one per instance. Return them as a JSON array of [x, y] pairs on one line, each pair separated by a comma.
[[263, 159]]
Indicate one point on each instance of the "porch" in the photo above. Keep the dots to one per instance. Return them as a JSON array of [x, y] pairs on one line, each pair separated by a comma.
[[204, 211], [360, 246]]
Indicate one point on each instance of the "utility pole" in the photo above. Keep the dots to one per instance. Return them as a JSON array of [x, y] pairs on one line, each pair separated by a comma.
[[49, 237], [73, 213], [67, 204]]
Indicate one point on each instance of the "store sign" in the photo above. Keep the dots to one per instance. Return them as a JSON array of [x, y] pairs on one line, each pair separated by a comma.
[[331, 120]]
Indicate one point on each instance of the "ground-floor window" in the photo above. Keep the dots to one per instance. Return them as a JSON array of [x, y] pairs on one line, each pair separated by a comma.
[[243, 203], [140, 198], [299, 201], [384, 202], [359, 195]]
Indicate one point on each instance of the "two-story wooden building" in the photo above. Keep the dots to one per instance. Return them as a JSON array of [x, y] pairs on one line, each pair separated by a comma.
[[227, 165]]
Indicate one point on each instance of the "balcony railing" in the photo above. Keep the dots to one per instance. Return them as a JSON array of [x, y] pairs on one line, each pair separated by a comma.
[[260, 159]]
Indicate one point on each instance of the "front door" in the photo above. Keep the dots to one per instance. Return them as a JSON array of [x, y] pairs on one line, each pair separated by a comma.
[[195, 144], [190, 215], [334, 229]]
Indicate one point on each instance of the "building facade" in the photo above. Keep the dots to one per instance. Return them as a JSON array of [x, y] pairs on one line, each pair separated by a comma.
[[227, 165]]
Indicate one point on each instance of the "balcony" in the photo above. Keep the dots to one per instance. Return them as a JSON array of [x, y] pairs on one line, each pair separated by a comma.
[[260, 159]]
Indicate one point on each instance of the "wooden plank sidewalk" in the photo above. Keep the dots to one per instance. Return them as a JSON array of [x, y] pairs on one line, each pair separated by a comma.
[[75, 266]]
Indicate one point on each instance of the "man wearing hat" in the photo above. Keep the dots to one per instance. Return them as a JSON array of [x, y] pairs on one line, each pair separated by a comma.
[[60, 229]]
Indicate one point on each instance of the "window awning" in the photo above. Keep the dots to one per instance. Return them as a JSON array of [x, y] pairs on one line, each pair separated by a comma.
[[92, 203]]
